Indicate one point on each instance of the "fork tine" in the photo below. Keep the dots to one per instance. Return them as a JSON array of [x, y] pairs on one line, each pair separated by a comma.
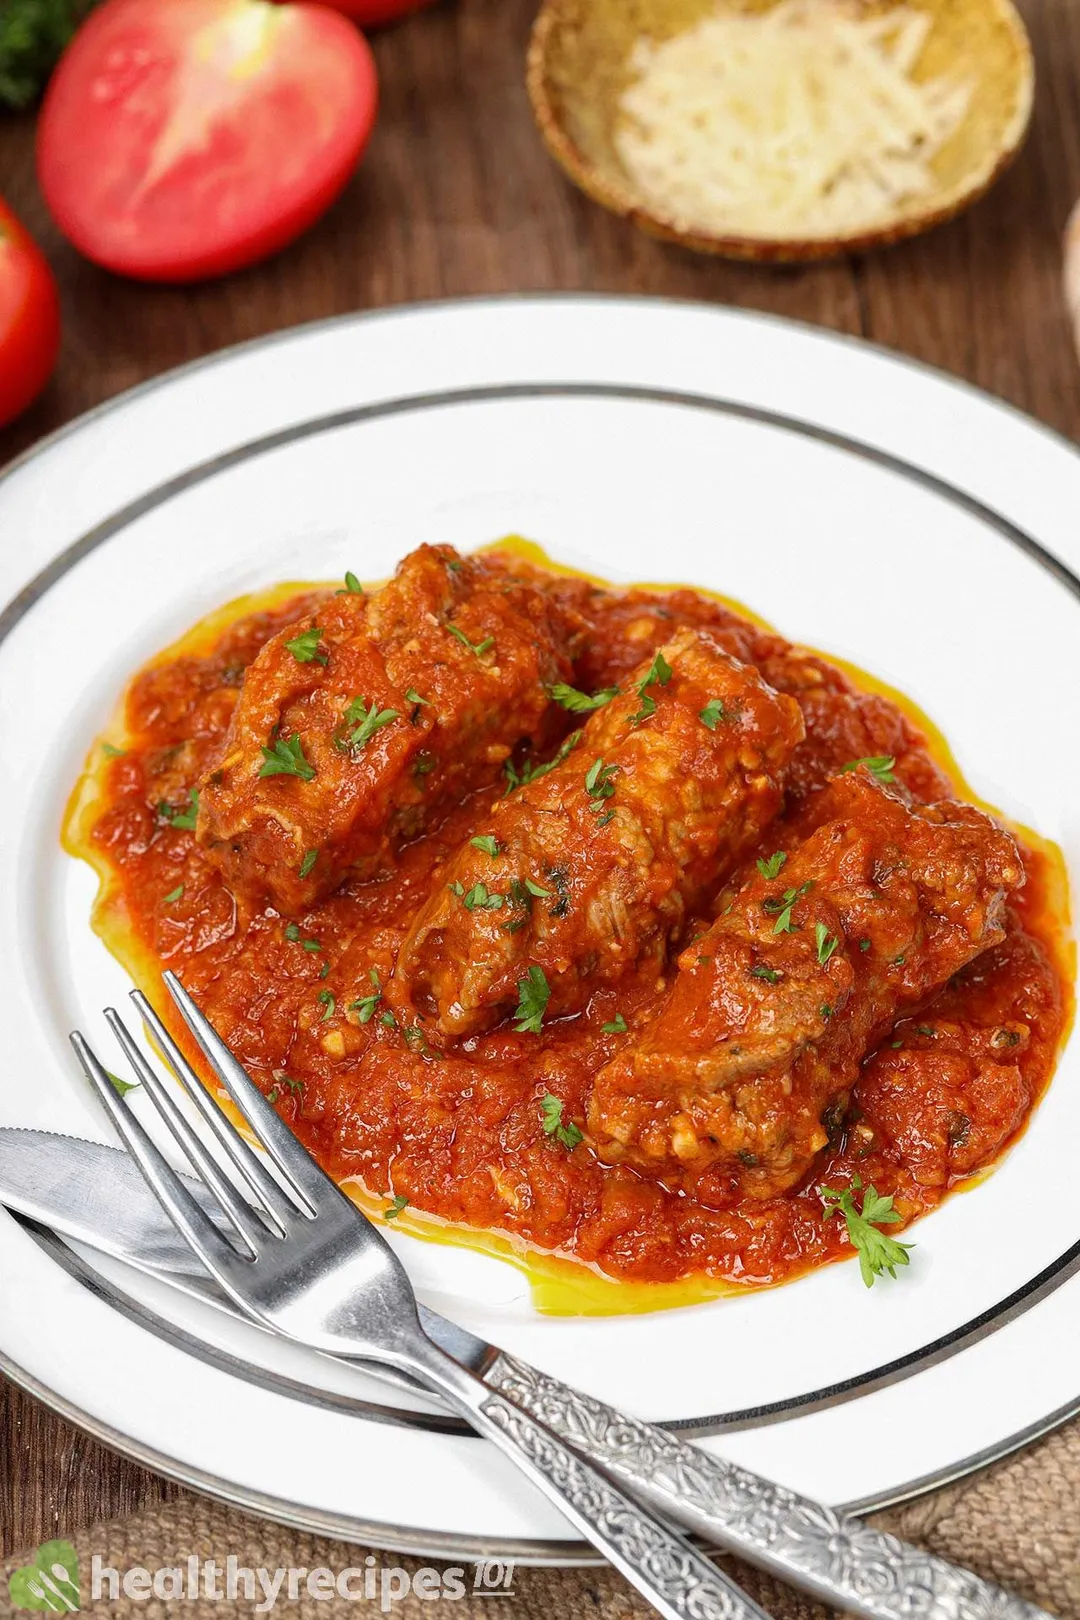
[[244, 1219], [201, 1233], [293, 1160], [260, 1183]]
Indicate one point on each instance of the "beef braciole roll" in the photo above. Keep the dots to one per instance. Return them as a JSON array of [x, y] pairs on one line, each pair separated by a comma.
[[587, 870], [359, 726], [804, 971]]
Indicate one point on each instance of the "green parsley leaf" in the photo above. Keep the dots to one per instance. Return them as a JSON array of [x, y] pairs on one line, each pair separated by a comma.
[[580, 702], [413, 696], [712, 714], [771, 868], [479, 898], [478, 647], [784, 924], [486, 844], [530, 773], [273, 1094], [598, 780], [864, 944], [617, 1026], [174, 894], [395, 1207], [308, 862], [371, 719], [534, 888], [534, 993], [305, 647], [366, 1005], [767, 973], [551, 1115], [388, 1019], [111, 751], [327, 999], [826, 942], [286, 758], [658, 673], [122, 1087], [183, 818], [295, 1086], [353, 586], [292, 934], [877, 1251], [880, 764]]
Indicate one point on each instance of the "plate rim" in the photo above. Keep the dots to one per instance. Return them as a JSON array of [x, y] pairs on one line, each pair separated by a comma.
[[381, 1534]]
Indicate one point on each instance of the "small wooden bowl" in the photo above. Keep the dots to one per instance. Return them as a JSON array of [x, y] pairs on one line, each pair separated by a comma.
[[578, 68]]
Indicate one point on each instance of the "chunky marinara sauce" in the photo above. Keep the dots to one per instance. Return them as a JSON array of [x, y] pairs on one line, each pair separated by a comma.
[[309, 1008]]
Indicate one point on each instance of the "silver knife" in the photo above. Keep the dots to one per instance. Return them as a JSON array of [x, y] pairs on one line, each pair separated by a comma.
[[95, 1195]]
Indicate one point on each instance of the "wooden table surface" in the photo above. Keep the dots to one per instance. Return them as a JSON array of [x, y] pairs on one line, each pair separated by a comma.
[[457, 196]]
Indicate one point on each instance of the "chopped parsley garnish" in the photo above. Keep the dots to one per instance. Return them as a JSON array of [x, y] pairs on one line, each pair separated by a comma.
[[365, 1006], [880, 764], [876, 1250], [551, 1114], [767, 973], [174, 894], [111, 751], [480, 898], [286, 758], [183, 818], [534, 888], [395, 1207], [305, 647], [826, 942], [308, 862], [598, 780], [530, 773], [712, 714], [790, 898], [534, 994], [388, 1019], [122, 1087], [617, 1026], [292, 934], [353, 586], [273, 1094], [367, 720], [416, 1041], [825, 1010], [486, 844], [771, 868], [413, 696], [327, 999], [477, 647], [864, 944], [658, 673], [580, 702], [925, 1029], [295, 1086]]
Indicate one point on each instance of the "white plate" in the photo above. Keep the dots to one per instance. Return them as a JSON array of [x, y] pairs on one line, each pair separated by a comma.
[[639, 440]]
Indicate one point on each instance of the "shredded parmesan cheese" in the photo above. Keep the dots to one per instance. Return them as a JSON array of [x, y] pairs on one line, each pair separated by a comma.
[[802, 120]]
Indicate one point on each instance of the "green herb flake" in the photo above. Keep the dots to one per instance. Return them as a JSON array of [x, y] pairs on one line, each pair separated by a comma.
[[551, 1115], [598, 780], [877, 1251], [530, 772], [770, 869], [480, 898], [882, 766], [769, 974], [486, 844], [534, 888], [395, 1207], [353, 586], [534, 994], [365, 1006], [173, 895], [305, 647], [286, 758], [477, 647], [308, 862], [122, 1087], [367, 720], [658, 673], [864, 944], [329, 1004], [581, 702], [712, 714], [183, 818], [111, 751], [273, 1094], [826, 942], [617, 1026]]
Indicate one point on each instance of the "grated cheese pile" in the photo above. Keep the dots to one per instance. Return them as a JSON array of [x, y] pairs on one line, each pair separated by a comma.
[[803, 120]]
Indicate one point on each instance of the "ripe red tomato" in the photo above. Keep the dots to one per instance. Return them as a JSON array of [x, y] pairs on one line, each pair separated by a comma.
[[181, 139], [29, 318], [372, 13]]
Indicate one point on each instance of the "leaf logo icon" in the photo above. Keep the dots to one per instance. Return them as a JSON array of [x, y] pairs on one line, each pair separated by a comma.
[[51, 1583]]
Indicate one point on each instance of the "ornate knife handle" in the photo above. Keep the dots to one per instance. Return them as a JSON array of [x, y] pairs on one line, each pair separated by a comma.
[[833, 1557]]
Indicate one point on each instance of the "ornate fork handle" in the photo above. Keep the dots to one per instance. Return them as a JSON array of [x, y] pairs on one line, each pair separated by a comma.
[[835, 1558]]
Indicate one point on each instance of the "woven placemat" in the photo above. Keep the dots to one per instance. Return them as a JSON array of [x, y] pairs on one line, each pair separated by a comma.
[[1017, 1523]]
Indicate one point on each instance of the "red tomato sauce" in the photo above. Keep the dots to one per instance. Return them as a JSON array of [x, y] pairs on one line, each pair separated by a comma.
[[460, 1135]]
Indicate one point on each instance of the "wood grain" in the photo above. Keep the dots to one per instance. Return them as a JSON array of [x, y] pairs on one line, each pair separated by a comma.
[[457, 197]]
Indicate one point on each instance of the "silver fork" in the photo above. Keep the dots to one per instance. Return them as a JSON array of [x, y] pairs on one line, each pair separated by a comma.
[[307, 1263]]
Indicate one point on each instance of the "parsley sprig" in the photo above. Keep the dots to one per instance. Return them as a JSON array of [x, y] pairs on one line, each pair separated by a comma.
[[367, 720], [581, 702], [286, 758], [882, 766], [551, 1115], [826, 942], [486, 844], [395, 1207], [365, 1006], [534, 993], [658, 673], [182, 818], [530, 772], [305, 647], [598, 781], [784, 906], [877, 1251], [477, 647], [770, 869], [713, 712]]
